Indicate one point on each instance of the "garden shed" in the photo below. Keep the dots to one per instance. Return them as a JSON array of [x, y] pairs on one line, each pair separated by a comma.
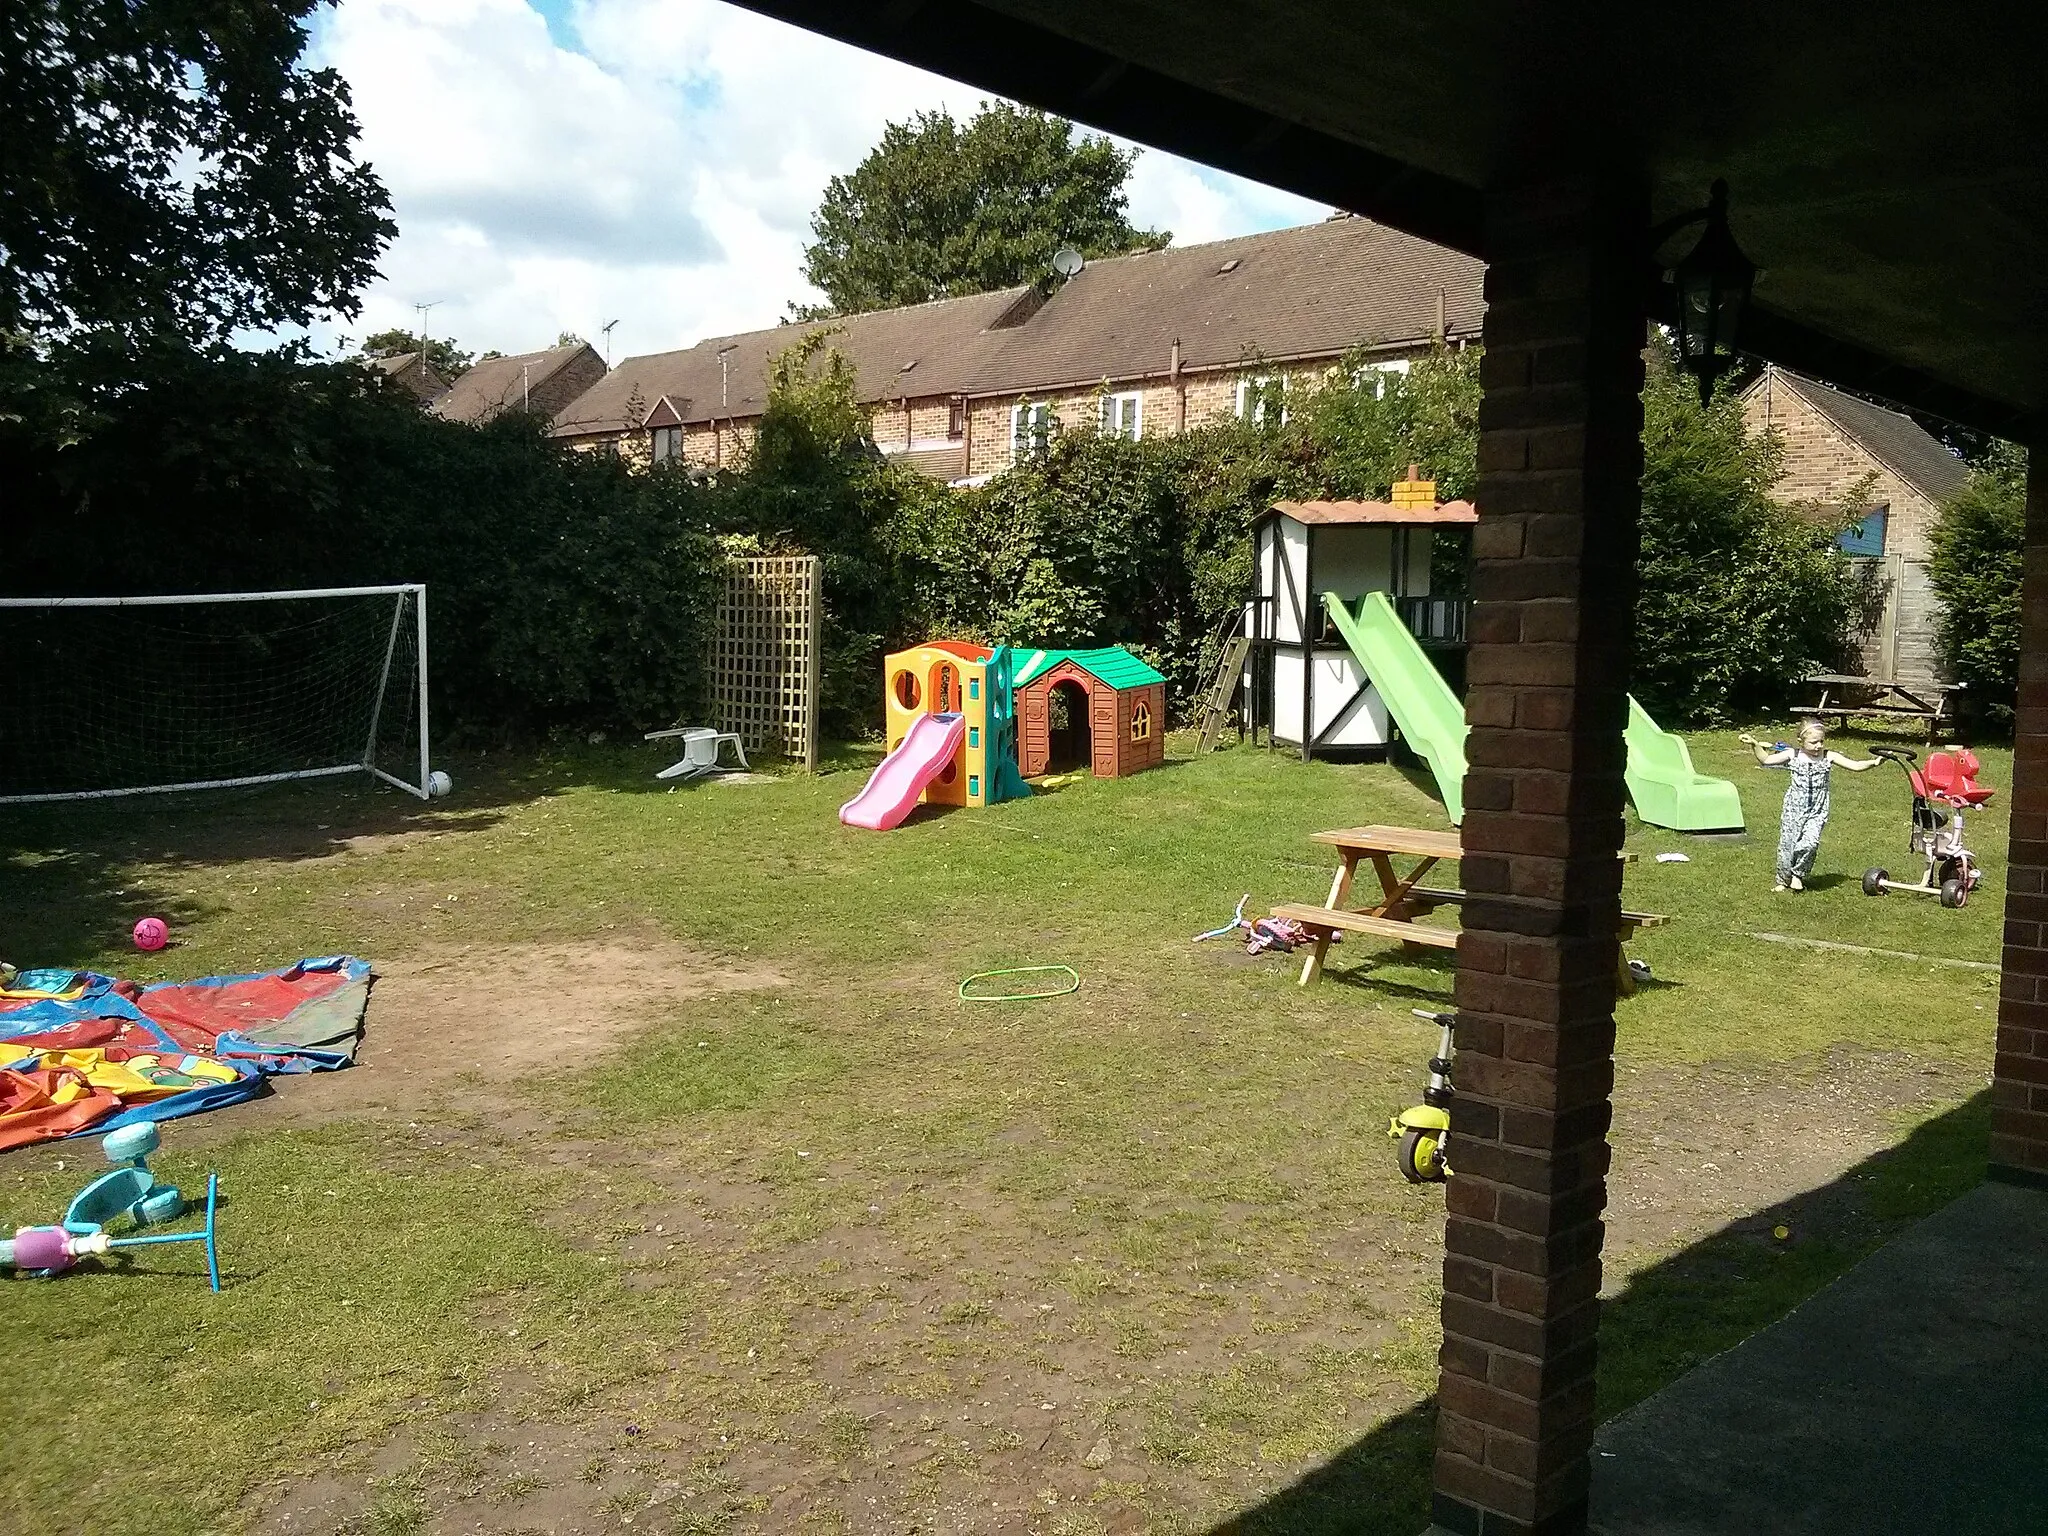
[[1103, 710]]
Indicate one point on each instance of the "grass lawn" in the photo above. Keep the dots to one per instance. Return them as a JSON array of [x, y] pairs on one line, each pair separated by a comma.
[[678, 1191]]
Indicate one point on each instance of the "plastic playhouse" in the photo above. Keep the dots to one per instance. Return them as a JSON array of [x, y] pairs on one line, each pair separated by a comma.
[[952, 734], [1103, 710]]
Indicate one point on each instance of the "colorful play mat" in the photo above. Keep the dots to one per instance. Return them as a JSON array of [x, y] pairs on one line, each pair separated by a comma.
[[84, 1052]]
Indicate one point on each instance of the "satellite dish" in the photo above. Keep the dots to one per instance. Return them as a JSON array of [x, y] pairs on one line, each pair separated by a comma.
[[1067, 261]]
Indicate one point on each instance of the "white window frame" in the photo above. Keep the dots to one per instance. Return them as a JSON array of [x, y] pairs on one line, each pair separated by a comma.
[[1039, 412], [654, 442], [1113, 408], [1377, 374], [1250, 387]]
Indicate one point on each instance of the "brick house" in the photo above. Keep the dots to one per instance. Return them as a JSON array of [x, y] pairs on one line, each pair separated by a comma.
[[412, 373], [1144, 344], [1838, 446], [539, 382], [701, 405], [1161, 341]]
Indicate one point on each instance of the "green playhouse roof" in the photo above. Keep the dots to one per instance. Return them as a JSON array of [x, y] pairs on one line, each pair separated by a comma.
[[1110, 664]]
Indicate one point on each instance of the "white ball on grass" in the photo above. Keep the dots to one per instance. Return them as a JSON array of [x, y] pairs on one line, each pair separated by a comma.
[[439, 785]]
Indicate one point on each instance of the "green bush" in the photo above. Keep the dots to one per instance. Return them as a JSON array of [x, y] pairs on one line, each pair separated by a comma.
[[1739, 595], [564, 591], [1978, 545]]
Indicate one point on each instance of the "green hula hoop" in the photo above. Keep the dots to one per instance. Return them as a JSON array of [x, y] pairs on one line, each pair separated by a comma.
[[1073, 985]]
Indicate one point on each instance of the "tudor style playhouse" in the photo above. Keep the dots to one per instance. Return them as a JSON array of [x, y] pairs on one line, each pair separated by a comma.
[[1305, 688], [1103, 710]]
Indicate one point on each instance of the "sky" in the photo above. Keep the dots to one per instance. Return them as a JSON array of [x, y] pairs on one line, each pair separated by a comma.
[[554, 165]]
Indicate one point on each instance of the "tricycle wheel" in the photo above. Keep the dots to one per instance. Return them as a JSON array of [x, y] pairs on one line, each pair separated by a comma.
[[1422, 1157], [1953, 893], [1873, 882]]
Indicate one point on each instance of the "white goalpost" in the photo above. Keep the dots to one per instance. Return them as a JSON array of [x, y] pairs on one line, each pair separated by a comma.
[[112, 696]]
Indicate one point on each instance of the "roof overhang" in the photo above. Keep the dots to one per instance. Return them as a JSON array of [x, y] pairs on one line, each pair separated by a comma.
[[1324, 514], [1896, 215]]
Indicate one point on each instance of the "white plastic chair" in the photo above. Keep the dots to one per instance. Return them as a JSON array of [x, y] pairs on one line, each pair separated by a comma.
[[701, 746]]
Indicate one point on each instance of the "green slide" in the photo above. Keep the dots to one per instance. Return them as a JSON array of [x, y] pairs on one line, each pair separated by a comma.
[[1666, 789], [1661, 780], [1431, 718]]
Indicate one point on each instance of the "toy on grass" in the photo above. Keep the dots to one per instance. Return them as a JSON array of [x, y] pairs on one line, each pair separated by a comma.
[[1112, 708], [1424, 1130], [439, 785], [1056, 989], [1262, 933], [131, 1194], [1936, 834], [152, 933]]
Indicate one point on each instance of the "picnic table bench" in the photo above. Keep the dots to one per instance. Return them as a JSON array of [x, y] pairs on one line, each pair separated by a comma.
[[1843, 695], [1402, 897]]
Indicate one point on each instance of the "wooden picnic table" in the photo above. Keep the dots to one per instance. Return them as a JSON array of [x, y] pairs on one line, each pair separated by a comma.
[[1843, 694], [1402, 896]]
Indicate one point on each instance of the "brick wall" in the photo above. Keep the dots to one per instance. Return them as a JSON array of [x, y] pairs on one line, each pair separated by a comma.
[[1560, 462], [2019, 1080], [568, 383], [1822, 463], [1211, 396]]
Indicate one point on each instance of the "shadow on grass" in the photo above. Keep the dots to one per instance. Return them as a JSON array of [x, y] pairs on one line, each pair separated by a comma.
[[1669, 1317]]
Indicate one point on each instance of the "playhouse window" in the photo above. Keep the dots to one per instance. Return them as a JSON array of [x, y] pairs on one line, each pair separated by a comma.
[[1123, 416], [1141, 723]]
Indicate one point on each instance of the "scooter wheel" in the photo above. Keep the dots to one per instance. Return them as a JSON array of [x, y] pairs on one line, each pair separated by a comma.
[[1873, 881], [1953, 893], [1422, 1157]]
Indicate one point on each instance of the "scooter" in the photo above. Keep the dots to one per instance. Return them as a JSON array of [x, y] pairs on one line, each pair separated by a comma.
[[1424, 1131]]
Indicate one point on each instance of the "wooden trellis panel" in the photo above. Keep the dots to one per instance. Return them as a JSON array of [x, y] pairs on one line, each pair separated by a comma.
[[765, 661]]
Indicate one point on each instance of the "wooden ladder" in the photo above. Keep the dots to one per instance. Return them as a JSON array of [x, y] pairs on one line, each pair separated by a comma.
[[1216, 702]]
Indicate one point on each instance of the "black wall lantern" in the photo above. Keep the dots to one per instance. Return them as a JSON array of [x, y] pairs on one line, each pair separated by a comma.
[[1713, 281]]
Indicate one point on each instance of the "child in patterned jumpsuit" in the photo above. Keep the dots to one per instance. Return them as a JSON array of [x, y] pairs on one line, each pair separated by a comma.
[[1806, 798]]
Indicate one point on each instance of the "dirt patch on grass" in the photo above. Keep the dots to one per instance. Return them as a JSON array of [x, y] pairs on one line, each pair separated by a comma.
[[489, 1015]]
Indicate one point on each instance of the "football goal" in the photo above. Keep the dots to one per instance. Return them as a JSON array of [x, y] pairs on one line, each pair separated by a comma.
[[111, 696]]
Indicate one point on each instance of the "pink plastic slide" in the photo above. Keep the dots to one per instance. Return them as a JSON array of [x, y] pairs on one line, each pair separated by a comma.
[[921, 757]]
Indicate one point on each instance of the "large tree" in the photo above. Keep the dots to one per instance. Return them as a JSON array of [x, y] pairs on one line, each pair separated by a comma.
[[170, 171], [937, 210]]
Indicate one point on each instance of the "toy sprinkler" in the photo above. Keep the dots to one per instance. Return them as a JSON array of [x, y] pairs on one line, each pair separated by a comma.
[[1424, 1131], [130, 1193], [1941, 793]]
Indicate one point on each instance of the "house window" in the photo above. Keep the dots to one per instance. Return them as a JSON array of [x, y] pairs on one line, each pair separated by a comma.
[[1141, 722], [1371, 378], [1123, 416], [667, 444], [956, 417], [1867, 536], [1030, 431], [1262, 400]]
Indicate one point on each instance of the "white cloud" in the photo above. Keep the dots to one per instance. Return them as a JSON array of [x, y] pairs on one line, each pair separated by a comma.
[[650, 161]]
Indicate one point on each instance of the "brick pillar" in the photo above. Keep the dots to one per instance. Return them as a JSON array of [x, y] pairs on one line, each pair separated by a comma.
[[2019, 1082], [1560, 466]]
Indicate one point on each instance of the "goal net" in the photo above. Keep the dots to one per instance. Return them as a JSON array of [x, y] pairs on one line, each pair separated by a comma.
[[113, 696]]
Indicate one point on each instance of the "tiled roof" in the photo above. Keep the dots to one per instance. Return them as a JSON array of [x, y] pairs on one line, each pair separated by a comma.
[[500, 384], [940, 348], [1109, 664], [1316, 290], [1895, 440]]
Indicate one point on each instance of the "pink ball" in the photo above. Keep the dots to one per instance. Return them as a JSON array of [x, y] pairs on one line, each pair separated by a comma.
[[151, 933]]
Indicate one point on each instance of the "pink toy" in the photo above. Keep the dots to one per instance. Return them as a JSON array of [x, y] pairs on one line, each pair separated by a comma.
[[151, 933], [923, 754]]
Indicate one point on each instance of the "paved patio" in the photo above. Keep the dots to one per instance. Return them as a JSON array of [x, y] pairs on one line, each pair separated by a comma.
[[1911, 1396]]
